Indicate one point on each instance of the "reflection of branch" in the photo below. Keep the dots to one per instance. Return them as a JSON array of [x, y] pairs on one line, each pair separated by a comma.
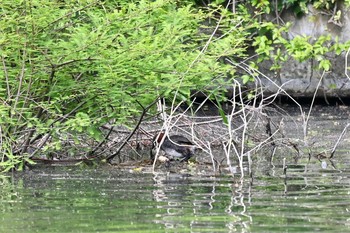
[[238, 199], [285, 176], [212, 195]]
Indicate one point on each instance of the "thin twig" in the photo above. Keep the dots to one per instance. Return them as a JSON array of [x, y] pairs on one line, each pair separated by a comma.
[[346, 63], [102, 142], [144, 111], [338, 141], [306, 120]]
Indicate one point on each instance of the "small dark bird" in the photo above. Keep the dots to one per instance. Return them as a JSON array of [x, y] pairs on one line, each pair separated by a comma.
[[176, 147]]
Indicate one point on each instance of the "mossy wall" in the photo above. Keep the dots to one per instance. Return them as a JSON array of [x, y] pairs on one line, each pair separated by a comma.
[[302, 79]]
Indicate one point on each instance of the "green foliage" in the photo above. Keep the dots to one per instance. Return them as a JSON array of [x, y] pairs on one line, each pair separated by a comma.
[[299, 7], [264, 5], [300, 48], [271, 42], [70, 67]]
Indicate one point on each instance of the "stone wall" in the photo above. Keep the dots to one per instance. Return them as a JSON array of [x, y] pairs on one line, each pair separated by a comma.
[[301, 79]]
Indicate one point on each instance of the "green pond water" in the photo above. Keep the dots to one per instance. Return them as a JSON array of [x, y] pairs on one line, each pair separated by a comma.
[[70, 199], [313, 195]]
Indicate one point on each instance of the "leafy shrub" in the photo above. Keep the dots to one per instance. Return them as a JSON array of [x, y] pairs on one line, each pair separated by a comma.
[[72, 66]]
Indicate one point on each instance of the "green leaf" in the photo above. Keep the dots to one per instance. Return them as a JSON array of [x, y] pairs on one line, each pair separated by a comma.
[[246, 78], [95, 133], [221, 111], [325, 65]]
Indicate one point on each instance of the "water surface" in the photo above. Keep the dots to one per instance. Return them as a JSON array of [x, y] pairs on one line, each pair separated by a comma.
[[308, 198]]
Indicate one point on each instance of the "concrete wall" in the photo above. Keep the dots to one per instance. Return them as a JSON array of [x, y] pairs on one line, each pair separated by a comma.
[[301, 79]]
